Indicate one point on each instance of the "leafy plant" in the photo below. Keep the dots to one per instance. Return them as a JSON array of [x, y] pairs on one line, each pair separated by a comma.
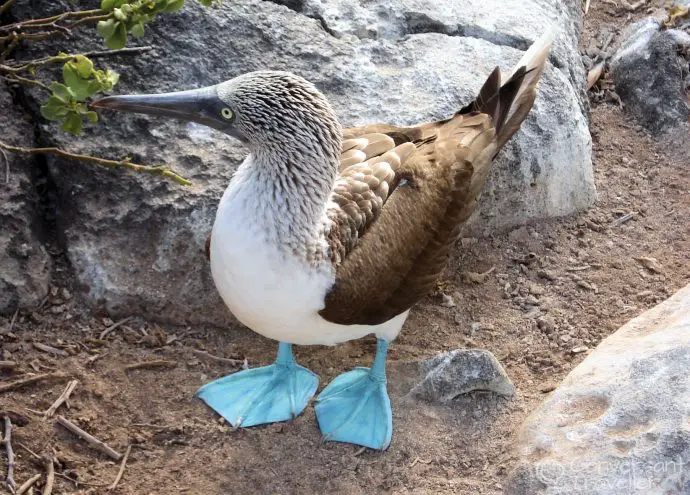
[[67, 102], [81, 81]]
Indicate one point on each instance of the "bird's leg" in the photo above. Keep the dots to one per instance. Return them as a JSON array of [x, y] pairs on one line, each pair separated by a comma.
[[355, 406], [278, 392]]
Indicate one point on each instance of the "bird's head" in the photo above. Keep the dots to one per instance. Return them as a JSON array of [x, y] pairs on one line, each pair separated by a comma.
[[265, 109]]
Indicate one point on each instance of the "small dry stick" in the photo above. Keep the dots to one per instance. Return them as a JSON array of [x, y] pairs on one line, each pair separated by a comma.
[[28, 484], [50, 476], [14, 319], [113, 327], [50, 349], [204, 354], [7, 365], [7, 443], [7, 166], [122, 468], [96, 357], [163, 171], [158, 363], [622, 220], [92, 441], [30, 381], [62, 399]]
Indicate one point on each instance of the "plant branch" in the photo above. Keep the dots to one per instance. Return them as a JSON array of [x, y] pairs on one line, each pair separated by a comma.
[[56, 59], [160, 170], [6, 6], [47, 21], [7, 443], [31, 82]]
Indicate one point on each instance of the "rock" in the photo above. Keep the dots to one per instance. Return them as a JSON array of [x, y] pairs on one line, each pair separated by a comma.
[[461, 371], [649, 72], [619, 422], [136, 243], [26, 266]]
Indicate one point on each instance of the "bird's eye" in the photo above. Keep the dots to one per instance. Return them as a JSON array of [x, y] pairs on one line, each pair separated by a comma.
[[227, 113]]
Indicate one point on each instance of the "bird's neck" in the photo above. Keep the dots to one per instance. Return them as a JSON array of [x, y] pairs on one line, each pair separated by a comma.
[[288, 193]]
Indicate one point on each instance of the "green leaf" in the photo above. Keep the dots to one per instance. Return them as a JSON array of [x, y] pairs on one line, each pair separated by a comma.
[[92, 116], [120, 15], [72, 123], [84, 66], [111, 79], [54, 109], [119, 38], [174, 5], [106, 28], [138, 30], [78, 86], [108, 4], [62, 92]]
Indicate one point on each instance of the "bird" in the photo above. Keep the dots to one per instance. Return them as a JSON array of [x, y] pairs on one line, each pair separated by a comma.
[[326, 235]]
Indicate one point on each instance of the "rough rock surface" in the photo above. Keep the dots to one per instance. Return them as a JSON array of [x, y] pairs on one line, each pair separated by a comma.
[[650, 74], [25, 266], [619, 422], [136, 243], [461, 371]]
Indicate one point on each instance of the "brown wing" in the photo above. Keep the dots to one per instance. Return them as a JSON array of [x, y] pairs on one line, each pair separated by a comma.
[[404, 193], [389, 256]]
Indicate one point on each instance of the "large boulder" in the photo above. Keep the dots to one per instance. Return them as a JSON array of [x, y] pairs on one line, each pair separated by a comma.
[[136, 242], [619, 422], [651, 74], [25, 266]]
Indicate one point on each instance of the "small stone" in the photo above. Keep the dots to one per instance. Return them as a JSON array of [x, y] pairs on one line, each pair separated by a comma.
[[547, 274], [565, 338], [579, 349], [536, 290], [545, 324], [461, 371], [447, 301], [531, 300]]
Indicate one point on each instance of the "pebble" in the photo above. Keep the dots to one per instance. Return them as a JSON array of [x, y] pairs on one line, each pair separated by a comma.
[[531, 300], [579, 349], [536, 290]]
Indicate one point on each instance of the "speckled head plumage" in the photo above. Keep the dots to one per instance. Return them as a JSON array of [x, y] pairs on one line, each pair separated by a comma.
[[279, 110]]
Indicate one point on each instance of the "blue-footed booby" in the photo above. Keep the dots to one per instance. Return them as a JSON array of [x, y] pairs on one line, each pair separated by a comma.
[[326, 235]]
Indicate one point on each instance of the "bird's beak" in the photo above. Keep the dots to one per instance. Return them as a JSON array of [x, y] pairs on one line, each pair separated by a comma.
[[197, 105]]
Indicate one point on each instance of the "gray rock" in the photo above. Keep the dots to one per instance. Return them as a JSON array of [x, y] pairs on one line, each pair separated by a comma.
[[136, 243], [619, 422], [25, 266], [451, 374], [649, 73], [496, 21]]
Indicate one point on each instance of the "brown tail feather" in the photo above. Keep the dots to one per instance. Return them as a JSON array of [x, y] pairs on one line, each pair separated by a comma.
[[509, 102]]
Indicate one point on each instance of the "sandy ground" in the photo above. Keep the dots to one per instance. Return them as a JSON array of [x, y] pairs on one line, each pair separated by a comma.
[[555, 290]]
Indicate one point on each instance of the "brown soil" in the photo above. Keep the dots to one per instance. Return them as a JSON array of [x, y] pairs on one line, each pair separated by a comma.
[[556, 290]]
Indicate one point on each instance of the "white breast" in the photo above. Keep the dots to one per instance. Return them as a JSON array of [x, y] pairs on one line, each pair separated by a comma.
[[266, 286]]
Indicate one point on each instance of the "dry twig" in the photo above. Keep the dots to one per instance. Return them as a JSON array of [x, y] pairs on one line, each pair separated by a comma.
[[622, 220], [91, 440], [204, 354], [7, 365], [157, 363], [28, 484], [50, 476], [50, 349], [122, 468], [31, 380], [62, 399], [125, 163], [112, 327], [7, 443]]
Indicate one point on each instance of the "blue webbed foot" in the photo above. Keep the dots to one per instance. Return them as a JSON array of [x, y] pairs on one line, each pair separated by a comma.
[[355, 407], [278, 392]]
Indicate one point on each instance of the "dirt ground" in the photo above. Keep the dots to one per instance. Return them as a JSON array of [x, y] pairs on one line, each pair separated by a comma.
[[549, 294]]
